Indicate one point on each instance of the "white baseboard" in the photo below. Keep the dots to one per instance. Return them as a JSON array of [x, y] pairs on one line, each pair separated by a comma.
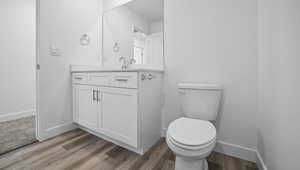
[[57, 130], [260, 162], [17, 115], [236, 151]]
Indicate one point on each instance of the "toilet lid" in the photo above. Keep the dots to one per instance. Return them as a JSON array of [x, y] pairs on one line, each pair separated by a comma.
[[192, 132]]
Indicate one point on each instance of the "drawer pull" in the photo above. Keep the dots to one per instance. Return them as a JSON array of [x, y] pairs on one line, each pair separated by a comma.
[[78, 78], [121, 79]]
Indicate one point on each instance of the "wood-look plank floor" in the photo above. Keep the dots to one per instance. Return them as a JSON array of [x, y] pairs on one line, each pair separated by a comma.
[[80, 150]]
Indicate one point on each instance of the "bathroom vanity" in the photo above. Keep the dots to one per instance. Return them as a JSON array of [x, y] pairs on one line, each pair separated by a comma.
[[121, 106], [121, 99]]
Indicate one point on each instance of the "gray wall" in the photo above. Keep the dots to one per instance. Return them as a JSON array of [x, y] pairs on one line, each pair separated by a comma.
[[214, 41], [17, 56], [279, 82], [17, 73]]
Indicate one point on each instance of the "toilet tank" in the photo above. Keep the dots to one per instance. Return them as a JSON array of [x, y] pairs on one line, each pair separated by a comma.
[[200, 100]]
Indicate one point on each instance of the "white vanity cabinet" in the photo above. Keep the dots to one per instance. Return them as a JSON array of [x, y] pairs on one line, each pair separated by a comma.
[[122, 107]]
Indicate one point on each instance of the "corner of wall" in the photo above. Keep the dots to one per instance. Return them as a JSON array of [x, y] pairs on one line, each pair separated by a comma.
[[260, 162]]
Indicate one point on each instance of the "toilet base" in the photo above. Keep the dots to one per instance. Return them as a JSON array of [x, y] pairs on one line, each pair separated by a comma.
[[190, 164]]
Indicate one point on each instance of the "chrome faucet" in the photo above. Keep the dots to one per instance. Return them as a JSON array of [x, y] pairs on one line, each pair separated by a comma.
[[126, 61]]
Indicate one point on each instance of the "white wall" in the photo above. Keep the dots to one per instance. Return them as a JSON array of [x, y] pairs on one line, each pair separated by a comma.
[[17, 56], [62, 23], [156, 27], [214, 41], [278, 127]]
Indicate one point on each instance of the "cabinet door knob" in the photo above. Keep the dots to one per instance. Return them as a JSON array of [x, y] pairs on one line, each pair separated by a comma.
[[147, 76], [143, 77], [150, 76]]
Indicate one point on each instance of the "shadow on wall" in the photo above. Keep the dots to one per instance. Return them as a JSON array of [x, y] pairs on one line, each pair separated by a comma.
[[220, 113]]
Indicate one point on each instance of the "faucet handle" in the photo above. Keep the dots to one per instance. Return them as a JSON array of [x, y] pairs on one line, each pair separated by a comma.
[[132, 60], [121, 58]]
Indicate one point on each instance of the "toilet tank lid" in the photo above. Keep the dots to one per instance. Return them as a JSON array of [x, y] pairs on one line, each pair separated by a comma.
[[200, 86]]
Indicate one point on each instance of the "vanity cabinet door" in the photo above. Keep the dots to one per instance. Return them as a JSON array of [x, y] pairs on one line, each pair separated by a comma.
[[120, 114], [86, 106]]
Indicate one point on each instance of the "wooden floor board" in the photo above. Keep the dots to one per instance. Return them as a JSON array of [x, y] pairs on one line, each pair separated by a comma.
[[39, 155], [78, 150], [20, 154]]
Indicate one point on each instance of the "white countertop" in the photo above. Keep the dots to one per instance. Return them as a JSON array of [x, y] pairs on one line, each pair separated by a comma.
[[100, 68]]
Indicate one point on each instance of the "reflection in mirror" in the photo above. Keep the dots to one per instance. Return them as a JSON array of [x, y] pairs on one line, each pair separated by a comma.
[[134, 31]]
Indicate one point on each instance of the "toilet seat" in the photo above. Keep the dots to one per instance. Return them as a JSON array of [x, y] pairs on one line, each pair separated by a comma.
[[188, 147], [183, 139], [191, 134]]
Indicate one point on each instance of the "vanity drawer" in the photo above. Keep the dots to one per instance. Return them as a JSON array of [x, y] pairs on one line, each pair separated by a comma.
[[124, 79], [101, 79], [79, 78]]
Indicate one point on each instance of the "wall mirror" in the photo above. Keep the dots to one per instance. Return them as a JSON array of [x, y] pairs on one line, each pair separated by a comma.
[[134, 30]]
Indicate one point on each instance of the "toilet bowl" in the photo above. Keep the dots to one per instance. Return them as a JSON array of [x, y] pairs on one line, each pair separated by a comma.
[[193, 137], [192, 141]]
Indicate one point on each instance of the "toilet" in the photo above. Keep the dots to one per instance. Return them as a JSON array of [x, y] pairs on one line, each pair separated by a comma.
[[193, 137]]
